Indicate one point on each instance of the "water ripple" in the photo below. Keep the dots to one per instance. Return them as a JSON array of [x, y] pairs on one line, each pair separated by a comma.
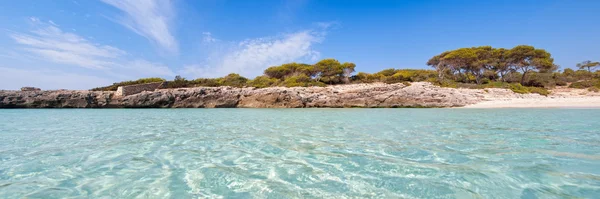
[[308, 153]]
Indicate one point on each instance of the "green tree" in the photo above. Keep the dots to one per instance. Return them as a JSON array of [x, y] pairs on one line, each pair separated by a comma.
[[289, 69], [588, 64], [233, 79], [465, 59], [263, 82], [348, 69], [331, 71], [300, 80], [440, 66], [500, 63], [527, 58]]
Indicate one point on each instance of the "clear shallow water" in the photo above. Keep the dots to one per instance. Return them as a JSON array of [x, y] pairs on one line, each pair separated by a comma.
[[300, 153]]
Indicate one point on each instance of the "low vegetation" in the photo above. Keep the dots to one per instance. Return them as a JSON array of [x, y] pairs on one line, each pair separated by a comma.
[[522, 69], [114, 86]]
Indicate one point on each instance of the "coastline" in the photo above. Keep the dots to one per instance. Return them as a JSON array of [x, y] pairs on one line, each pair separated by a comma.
[[549, 102], [559, 98], [374, 95]]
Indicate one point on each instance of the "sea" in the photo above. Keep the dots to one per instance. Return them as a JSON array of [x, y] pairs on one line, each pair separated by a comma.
[[300, 153]]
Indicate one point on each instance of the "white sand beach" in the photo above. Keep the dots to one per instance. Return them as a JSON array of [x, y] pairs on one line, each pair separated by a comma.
[[548, 102], [560, 98]]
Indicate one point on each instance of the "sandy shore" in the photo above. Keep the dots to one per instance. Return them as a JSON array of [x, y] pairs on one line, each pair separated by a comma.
[[580, 102], [560, 98]]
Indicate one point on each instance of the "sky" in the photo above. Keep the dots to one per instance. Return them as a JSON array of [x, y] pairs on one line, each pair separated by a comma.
[[82, 44]]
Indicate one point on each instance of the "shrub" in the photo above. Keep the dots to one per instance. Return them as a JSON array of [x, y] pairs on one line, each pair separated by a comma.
[[518, 88], [114, 86], [362, 77], [594, 89], [301, 80], [263, 81], [386, 72], [582, 84], [206, 82], [396, 78], [178, 83], [538, 90], [540, 80], [485, 80], [233, 79], [583, 74], [560, 83], [415, 75], [446, 83], [568, 72]]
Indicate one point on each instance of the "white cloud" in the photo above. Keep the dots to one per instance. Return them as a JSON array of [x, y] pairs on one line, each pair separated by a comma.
[[207, 37], [250, 57], [142, 68], [48, 43], [52, 22], [14, 79], [195, 71], [53, 44], [149, 18]]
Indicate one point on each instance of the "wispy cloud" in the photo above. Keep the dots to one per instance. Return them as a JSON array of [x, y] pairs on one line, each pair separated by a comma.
[[145, 68], [252, 56], [51, 43], [48, 43], [149, 18], [208, 38]]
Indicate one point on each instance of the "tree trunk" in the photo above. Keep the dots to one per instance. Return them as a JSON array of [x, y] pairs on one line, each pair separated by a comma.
[[523, 78], [477, 78]]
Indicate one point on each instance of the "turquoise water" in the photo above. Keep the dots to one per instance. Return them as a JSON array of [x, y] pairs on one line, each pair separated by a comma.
[[300, 153]]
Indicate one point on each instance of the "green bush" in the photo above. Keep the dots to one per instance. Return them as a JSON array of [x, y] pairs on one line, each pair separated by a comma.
[[583, 74], [518, 88], [362, 77], [538, 90], [536, 79], [582, 84], [300, 81], [446, 83], [386, 72], [233, 80], [178, 84], [263, 81], [114, 86], [206, 82], [594, 89]]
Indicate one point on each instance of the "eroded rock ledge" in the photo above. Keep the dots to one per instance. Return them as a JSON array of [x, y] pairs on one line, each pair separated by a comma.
[[419, 94]]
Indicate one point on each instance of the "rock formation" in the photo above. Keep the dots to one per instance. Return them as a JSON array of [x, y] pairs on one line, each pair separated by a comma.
[[30, 89], [419, 94]]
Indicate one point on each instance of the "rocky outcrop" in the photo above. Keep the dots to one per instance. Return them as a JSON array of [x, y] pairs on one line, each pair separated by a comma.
[[419, 94], [30, 89], [138, 88]]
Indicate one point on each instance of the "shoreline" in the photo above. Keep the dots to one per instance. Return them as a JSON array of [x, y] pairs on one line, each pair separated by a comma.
[[549, 102], [374, 95], [560, 97]]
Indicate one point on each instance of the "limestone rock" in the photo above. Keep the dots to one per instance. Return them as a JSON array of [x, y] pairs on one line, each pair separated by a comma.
[[419, 94]]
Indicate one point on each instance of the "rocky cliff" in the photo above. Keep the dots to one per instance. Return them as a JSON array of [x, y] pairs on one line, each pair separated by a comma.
[[419, 94]]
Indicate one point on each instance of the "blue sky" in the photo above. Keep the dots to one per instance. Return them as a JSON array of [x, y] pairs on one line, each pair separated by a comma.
[[80, 44]]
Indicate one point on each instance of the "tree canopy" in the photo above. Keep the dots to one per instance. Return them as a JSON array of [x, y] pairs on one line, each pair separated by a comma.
[[521, 69], [589, 65], [482, 60]]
